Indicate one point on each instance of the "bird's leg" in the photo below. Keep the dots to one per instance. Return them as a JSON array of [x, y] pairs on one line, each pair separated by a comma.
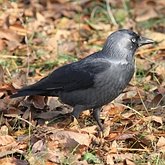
[[96, 116], [76, 113], [77, 110]]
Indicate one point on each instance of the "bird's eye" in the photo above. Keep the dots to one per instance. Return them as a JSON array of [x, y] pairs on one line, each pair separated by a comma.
[[133, 40]]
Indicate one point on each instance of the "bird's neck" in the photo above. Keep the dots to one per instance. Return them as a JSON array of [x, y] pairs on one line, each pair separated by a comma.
[[118, 55]]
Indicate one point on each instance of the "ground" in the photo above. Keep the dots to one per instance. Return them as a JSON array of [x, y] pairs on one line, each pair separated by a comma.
[[39, 36]]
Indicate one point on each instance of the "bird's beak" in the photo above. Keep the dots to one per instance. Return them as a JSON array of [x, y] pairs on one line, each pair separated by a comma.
[[144, 41]]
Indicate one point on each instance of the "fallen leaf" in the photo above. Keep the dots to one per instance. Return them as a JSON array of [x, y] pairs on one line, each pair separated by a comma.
[[90, 130], [120, 157], [19, 29], [49, 115], [161, 144], [157, 36], [38, 146], [1, 76], [160, 70], [113, 109], [145, 10], [2, 44], [12, 161], [56, 156], [126, 136], [19, 80], [6, 139], [129, 162], [70, 139], [39, 102], [156, 119], [4, 130]]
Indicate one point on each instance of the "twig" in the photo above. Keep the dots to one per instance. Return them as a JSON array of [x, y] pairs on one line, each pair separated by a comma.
[[153, 108], [142, 102], [18, 117], [133, 149], [5, 153], [28, 56], [131, 109], [110, 13], [9, 56], [151, 49]]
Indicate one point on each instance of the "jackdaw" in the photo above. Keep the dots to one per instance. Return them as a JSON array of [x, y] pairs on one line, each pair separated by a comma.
[[95, 80]]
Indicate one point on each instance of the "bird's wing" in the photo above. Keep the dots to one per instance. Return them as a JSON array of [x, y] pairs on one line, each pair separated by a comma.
[[74, 76], [79, 75]]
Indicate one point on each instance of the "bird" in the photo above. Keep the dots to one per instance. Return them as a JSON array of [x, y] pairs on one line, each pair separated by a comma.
[[95, 80]]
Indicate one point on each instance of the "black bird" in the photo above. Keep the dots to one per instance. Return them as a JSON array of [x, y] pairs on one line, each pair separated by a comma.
[[95, 80]]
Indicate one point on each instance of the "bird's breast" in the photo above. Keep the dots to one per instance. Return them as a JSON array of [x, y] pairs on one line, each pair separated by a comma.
[[112, 82]]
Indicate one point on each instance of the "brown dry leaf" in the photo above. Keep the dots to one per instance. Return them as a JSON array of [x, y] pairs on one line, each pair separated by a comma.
[[19, 80], [11, 38], [2, 44], [113, 109], [6, 139], [7, 143], [70, 139], [9, 35], [40, 18], [90, 130], [4, 103], [53, 102], [126, 136], [7, 87], [156, 119], [4, 130], [131, 94], [161, 89], [37, 159], [38, 101], [156, 100], [35, 24], [56, 156], [53, 42], [19, 29], [55, 105], [99, 26], [1, 76], [160, 70], [114, 146], [14, 12], [49, 115], [145, 10], [38, 146], [128, 115], [140, 64], [112, 136], [112, 158], [161, 144], [12, 161], [129, 162], [157, 36], [150, 137]]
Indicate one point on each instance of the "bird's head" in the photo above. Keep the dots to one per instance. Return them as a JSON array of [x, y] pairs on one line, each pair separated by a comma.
[[123, 43]]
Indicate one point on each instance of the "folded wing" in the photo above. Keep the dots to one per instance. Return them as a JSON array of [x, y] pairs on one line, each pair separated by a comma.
[[75, 76]]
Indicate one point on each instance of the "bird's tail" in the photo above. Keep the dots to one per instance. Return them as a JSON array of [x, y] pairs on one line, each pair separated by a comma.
[[26, 92]]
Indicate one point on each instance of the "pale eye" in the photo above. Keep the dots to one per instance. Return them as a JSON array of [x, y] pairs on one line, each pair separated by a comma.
[[133, 40]]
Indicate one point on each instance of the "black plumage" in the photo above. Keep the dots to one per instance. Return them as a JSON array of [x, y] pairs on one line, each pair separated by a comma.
[[95, 80]]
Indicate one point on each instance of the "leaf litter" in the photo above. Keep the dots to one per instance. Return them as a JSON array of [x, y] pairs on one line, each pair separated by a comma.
[[37, 37]]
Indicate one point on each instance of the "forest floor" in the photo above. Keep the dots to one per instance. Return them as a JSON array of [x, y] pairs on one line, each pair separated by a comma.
[[39, 36]]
